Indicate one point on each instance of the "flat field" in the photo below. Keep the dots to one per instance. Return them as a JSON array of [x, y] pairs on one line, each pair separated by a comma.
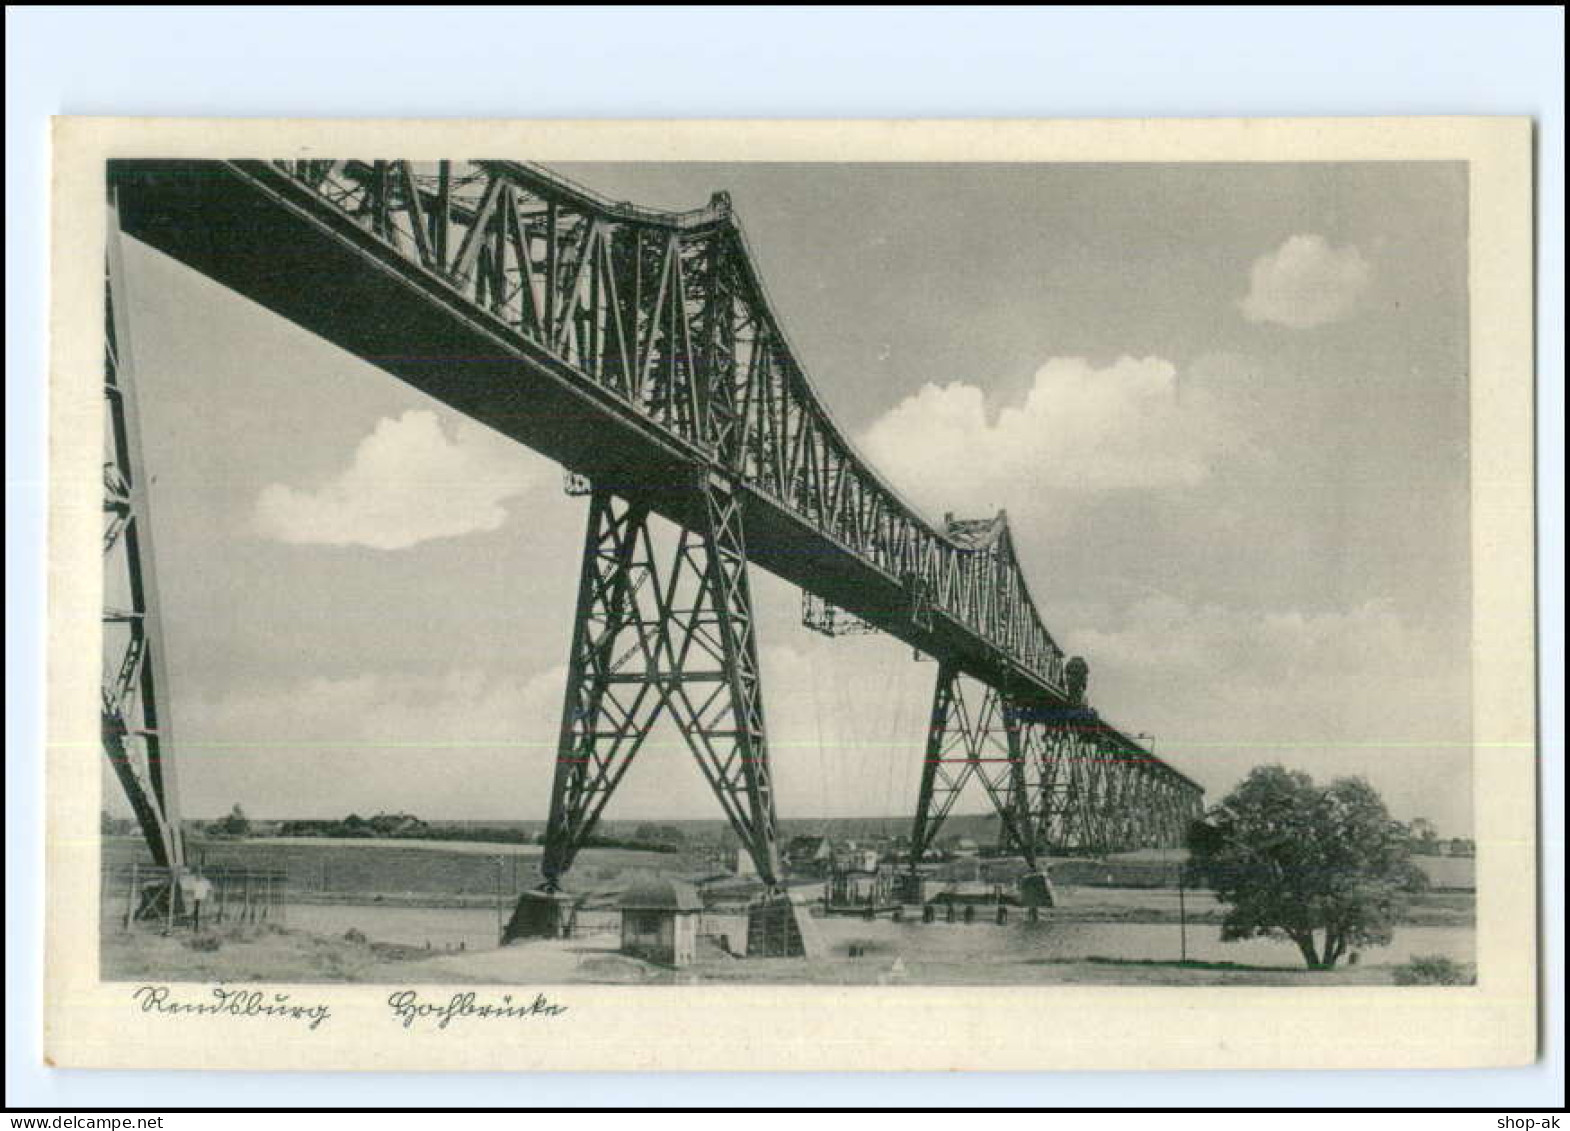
[[404, 911], [427, 873]]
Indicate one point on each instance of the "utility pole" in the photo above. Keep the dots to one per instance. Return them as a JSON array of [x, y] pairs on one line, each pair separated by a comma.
[[501, 899]]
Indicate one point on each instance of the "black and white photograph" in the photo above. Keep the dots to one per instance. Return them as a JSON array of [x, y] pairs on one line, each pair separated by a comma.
[[775, 559], [865, 593], [695, 572]]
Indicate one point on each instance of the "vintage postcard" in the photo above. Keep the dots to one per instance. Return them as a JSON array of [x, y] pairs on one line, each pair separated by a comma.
[[797, 595]]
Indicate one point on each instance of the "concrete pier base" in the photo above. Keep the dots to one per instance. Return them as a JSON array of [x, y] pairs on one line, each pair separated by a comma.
[[780, 928], [541, 915], [910, 888]]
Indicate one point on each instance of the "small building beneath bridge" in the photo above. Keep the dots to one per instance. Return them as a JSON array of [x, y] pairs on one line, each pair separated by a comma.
[[659, 921]]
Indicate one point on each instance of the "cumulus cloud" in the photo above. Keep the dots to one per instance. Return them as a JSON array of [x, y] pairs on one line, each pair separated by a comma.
[[1306, 283], [1126, 425], [410, 481]]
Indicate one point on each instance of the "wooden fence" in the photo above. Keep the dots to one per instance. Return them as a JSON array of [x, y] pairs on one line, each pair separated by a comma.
[[204, 895]]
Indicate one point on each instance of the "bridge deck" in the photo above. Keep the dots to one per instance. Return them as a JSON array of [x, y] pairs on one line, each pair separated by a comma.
[[257, 231]]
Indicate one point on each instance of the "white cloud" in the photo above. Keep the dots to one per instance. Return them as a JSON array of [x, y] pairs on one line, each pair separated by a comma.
[[1127, 425], [1305, 283], [408, 482]]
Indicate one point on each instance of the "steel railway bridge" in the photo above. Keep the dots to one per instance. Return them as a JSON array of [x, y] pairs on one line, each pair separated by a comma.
[[638, 349]]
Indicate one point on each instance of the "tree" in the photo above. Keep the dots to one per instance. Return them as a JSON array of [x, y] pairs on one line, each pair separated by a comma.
[[668, 835], [1325, 868], [1424, 837], [235, 824]]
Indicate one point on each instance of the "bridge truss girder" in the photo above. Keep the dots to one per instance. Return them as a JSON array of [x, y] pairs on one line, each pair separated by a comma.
[[629, 344], [666, 314]]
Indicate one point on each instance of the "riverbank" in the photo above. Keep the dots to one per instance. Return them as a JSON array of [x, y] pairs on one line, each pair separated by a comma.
[[1163, 906], [1150, 906], [475, 876], [479, 877]]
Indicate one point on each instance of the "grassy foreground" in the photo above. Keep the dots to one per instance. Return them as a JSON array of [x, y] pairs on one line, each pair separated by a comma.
[[271, 954]]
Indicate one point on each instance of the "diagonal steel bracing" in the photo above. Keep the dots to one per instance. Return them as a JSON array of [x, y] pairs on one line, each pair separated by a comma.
[[947, 765], [614, 690], [1058, 778], [644, 644], [137, 737], [717, 693], [984, 743]]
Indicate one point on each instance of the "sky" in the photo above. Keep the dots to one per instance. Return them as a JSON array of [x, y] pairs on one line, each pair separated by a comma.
[[1225, 407]]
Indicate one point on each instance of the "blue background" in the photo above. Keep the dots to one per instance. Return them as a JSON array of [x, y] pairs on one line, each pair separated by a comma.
[[766, 63]]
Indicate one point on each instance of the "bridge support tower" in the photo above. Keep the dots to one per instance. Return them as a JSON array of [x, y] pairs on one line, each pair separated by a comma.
[[985, 741], [1056, 774], [651, 637], [136, 727]]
